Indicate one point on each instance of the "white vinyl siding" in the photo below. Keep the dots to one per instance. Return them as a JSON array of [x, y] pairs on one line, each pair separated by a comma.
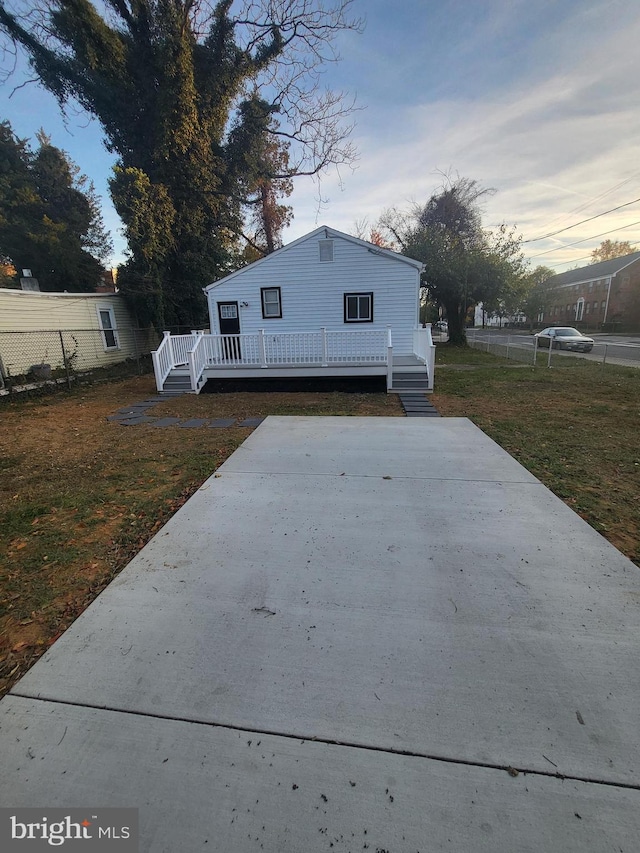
[[312, 291]]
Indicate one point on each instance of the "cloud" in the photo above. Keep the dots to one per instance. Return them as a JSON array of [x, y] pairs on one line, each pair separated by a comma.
[[550, 142]]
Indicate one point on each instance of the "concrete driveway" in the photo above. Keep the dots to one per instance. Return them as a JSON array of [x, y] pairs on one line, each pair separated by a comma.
[[372, 634]]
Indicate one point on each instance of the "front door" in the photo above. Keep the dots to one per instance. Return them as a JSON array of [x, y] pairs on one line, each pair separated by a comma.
[[229, 325]]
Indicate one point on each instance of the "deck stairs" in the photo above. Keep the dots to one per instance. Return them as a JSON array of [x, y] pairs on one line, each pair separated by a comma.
[[177, 382], [409, 374]]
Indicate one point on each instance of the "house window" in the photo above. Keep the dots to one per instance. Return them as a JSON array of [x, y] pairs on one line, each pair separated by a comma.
[[107, 321], [326, 250], [358, 308], [587, 307], [603, 304], [271, 303]]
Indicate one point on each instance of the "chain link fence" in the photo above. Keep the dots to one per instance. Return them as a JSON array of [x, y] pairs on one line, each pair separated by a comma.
[[522, 348], [36, 359]]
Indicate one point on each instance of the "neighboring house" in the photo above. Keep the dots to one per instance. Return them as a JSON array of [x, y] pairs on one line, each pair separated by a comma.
[[604, 295], [327, 304], [92, 330], [484, 319]]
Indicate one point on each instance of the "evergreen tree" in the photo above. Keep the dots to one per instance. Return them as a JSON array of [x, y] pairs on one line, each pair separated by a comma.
[[49, 223]]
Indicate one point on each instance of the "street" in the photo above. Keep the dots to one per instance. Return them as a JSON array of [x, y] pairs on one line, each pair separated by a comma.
[[621, 349]]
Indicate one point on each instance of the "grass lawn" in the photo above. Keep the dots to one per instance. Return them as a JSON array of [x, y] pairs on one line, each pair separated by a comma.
[[79, 495], [575, 427]]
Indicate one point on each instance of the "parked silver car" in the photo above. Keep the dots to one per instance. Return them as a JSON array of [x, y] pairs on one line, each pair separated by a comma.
[[564, 338]]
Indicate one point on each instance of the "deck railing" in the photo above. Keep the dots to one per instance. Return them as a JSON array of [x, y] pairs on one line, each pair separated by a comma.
[[181, 346], [266, 349], [321, 348]]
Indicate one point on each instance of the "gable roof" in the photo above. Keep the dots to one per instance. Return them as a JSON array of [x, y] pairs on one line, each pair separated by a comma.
[[328, 233], [592, 271]]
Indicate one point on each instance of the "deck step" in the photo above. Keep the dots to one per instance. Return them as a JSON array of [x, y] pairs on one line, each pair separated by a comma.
[[176, 384]]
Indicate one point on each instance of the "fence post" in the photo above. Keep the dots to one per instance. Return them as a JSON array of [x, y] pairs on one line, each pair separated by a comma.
[[550, 348], [508, 342], [604, 357], [535, 352], [64, 358], [325, 351]]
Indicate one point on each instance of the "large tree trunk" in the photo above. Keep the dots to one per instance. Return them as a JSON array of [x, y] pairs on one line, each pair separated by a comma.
[[456, 317]]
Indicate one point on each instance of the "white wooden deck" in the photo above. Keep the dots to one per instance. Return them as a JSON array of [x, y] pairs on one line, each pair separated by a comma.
[[184, 363]]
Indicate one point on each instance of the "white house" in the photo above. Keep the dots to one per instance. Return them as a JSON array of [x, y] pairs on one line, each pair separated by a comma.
[[327, 304]]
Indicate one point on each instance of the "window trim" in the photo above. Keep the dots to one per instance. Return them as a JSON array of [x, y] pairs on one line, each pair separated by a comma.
[[114, 327], [351, 294], [265, 316]]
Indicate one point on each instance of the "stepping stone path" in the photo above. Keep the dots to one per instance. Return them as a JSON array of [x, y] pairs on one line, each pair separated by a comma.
[[418, 406], [136, 414], [415, 405]]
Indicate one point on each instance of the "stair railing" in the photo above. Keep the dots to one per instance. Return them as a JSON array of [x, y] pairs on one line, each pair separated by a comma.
[[162, 359], [424, 349], [197, 359]]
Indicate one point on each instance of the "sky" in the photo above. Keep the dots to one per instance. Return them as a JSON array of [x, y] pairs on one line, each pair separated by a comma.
[[536, 99]]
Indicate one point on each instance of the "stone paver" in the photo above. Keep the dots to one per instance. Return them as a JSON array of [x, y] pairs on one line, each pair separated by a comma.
[[221, 423], [193, 423]]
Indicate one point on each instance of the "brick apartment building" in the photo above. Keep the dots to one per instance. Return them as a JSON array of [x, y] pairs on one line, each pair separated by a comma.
[[597, 296]]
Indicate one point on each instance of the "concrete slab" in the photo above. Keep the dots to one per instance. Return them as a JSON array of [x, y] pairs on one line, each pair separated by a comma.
[[200, 787], [400, 591], [451, 449], [476, 619]]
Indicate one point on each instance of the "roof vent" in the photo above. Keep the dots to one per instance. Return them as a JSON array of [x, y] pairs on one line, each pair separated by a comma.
[[326, 250]]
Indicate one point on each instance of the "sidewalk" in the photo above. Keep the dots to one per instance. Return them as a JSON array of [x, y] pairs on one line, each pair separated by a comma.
[[375, 634]]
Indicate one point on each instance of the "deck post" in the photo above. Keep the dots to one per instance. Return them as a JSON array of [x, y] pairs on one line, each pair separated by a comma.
[[325, 349], [389, 359], [263, 351]]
